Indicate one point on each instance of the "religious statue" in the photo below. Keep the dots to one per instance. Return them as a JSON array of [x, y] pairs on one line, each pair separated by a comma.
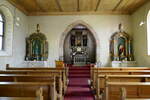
[[36, 47], [120, 46]]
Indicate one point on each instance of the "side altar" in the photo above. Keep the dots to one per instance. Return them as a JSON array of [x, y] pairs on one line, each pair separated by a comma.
[[36, 64], [36, 47], [121, 51]]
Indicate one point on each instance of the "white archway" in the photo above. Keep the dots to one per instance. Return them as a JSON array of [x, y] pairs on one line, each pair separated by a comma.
[[64, 34]]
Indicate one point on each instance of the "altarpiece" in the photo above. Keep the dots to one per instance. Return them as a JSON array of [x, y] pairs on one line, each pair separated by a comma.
[[121, 50], [36, 47]]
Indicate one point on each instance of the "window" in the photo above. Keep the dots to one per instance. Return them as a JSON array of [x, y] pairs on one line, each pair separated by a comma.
[[148, 32], [6, 31], [2, 25]]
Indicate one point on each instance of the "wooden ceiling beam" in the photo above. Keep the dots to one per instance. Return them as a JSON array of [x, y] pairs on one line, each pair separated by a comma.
[[21, 8], [138, 5], [117, 5], [39, 5], [97, 5], [43, 5], [59, 5], [78, 5], [80, 13]]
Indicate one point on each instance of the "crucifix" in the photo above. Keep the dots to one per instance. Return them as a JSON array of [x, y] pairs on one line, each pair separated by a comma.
[[38, 28], [120, 27]]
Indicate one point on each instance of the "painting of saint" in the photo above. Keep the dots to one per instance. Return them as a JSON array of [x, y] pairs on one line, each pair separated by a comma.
[[121, 48]]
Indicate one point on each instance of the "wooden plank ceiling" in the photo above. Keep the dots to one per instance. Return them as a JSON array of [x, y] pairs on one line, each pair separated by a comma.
[[73, 7]]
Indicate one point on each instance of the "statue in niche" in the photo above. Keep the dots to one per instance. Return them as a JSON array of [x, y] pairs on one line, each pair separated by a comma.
[[120, 46], [36, 47]]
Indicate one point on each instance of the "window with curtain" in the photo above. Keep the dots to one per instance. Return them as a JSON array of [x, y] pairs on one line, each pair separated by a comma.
[[2, 25]]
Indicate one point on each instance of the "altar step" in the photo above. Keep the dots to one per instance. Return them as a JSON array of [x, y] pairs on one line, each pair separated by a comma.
[[79, 88], [79, 68], [79, 72], [82, 72], [79, 75]]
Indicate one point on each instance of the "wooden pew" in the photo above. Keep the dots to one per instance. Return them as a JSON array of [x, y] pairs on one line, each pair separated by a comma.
[[27, 89], [34, 78], [56, 73], [117, 68], [134, 90], [95, 69], [113, 72], [124, 95], [18, 98], [63, 69], [39, 96], [101, 81]]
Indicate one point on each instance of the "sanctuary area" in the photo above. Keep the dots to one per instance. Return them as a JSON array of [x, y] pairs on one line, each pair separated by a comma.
[[74, 49]]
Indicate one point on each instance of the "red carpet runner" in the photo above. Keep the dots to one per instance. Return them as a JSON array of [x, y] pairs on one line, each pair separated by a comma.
[[78, 88]]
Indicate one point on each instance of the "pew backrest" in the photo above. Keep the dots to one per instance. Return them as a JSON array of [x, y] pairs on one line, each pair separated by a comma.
[[134, 90], [27, 89]]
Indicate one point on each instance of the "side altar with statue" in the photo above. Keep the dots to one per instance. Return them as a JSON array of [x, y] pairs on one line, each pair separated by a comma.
[[121, 50], [36, 49]]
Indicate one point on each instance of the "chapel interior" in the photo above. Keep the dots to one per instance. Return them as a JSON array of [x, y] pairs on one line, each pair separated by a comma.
[[74, 49]]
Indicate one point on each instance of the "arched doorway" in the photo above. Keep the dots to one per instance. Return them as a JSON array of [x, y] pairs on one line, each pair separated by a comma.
[[92, 34], [79, 46]]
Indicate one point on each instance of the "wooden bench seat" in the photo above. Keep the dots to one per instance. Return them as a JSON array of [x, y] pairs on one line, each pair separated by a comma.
[[134, 90], [101, 80], [33, 78], [96, 69], [56, 73], [117, 68], [27, 89], [113, 72], [124, 96], [64, 69], [18, 98]]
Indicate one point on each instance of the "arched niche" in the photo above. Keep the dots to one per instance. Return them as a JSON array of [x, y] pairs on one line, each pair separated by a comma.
[[66, 33]]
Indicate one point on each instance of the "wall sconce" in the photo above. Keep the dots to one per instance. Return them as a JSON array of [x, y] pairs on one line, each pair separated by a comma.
[[17, 21], [142, 23]]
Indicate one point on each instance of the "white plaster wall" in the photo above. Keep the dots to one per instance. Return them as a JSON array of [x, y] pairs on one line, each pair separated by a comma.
[[19, 35], [140, 35], [104, 26]]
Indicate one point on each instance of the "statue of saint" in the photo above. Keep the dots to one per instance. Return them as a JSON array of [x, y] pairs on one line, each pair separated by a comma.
[[36, 47]]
